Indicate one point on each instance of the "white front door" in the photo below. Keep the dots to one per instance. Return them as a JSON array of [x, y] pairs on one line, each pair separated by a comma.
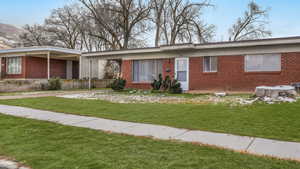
[[182, 72]]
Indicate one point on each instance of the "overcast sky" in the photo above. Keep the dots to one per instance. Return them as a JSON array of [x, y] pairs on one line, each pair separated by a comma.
[[284, 14]]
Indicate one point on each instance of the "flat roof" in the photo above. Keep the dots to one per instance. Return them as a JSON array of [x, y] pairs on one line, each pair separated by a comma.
[[190, 46], [35, 49]]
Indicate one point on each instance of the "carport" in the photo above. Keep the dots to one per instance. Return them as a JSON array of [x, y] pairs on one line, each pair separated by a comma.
[[41, 62]]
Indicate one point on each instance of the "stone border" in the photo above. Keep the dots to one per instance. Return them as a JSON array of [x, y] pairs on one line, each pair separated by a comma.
[[7, 164]]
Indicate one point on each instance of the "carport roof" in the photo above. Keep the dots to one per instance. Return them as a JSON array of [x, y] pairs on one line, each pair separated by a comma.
[[38, 50]]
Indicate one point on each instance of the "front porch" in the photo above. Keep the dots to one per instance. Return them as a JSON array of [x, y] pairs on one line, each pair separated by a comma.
[[39, 63]]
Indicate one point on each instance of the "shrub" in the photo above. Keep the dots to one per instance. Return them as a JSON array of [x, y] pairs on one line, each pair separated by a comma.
[[118, 84], [156, 84], [175, 87], [166, 83], [54, 84]]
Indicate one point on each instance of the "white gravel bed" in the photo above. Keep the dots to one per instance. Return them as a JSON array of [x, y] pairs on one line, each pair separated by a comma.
[[145, 97], [6, 164], [140, 98]]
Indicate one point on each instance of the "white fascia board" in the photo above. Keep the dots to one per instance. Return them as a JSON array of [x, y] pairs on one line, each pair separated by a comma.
[[40, 49], [178, 47], [121, 52], [248, 43], [199, 47]]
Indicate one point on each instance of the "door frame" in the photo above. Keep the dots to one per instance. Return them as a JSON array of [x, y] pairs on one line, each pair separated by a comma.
[[187, 71]]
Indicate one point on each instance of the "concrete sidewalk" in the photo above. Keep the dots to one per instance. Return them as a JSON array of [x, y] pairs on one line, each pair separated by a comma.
[[258, 146], [23, 95]]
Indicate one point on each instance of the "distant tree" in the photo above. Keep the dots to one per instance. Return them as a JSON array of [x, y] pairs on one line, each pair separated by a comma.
[[158, 7], [93, 25], [252, 25], [36, 35], [118, 22], [64, 26], [87, 28], [179, 21], [68, 27]]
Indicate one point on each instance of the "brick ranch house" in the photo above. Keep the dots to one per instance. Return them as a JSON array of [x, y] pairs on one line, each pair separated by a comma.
[[39, 63], [226, 66]]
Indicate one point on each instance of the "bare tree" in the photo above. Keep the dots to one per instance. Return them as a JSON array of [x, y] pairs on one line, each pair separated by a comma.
[[179, 21], [36, 35], [252, 25], [120, 24], [118, 21], [158, 11], [68, 27], [64, 24]]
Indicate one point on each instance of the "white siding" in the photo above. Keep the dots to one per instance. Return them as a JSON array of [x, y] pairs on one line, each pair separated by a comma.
[[97, 68]]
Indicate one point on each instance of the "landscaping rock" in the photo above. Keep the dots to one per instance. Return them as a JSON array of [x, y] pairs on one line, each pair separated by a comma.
[[275, 91], [6, 164], [220, 94], [146, 97]]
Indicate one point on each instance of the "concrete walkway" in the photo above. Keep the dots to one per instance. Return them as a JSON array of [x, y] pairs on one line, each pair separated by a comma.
[[258, 146], [23, 95]]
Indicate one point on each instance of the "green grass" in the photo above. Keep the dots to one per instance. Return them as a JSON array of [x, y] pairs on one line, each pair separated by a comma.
[[279, 121], [44, 145]]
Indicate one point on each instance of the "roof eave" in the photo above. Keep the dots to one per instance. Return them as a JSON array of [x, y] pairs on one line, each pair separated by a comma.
[[40, 49]]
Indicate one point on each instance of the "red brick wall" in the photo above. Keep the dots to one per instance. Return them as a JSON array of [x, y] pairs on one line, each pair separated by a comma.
[[58, 68], [13, 76], [36, 68], [127, 73], [230, 76]]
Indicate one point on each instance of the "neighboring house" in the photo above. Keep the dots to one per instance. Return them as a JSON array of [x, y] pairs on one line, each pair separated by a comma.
[[229, 66], [39, 63]]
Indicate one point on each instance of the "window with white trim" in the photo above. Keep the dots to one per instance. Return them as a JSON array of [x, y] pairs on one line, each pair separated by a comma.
[[14, 65], [146, 70], [263, 63], [210, 63]]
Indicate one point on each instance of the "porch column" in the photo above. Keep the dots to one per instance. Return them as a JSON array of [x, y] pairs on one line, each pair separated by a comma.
[[48, 65], [90, 73], [0, 68], [80, 68]]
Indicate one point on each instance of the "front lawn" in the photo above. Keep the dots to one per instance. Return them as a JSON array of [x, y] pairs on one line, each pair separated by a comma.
[[278, 121], [45, 145]]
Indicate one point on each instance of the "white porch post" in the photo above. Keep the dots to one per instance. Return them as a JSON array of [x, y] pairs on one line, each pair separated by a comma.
[[48, 65], [0, 68], [80, 68], [90, 73]]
